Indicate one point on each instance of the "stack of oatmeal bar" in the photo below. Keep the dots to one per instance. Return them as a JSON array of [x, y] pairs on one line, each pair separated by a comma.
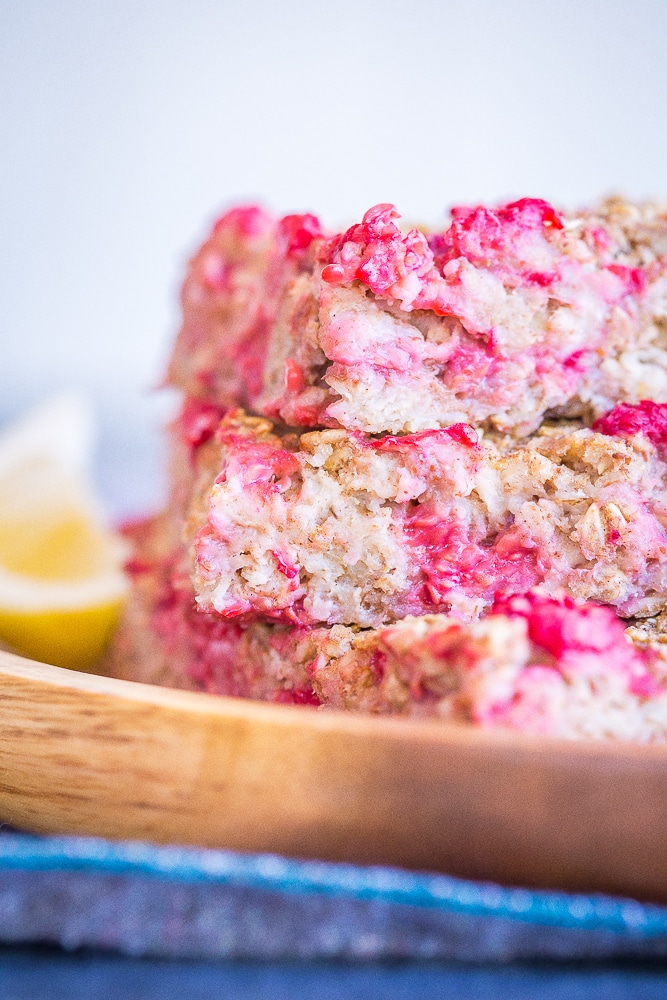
[[419, 472]]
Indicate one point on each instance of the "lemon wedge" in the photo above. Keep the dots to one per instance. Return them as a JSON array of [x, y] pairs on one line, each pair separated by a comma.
[[61, 579]]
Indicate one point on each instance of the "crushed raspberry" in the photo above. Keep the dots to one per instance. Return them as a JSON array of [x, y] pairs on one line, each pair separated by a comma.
[[582, 638], [246, 220], [625, 420], [198, 422], [297, 696], [412, 269], [460, 433], [543, 279], [574, 361], [480, 232], [557, 624], [286, 565], [298, 231], [599, 239], [464, 434], [302, 415], [532, 211], [451, 561], [333, 274], [376, 252], [257, 463], [643, 683], [295, 380], [137, 567], [378, 665], [633, 277]]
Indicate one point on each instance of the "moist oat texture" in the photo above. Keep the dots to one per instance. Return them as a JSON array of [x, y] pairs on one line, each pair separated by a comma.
[[419, 472]]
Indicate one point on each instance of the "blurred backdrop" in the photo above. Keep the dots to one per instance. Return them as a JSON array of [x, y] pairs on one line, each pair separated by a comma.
[[127, 125]]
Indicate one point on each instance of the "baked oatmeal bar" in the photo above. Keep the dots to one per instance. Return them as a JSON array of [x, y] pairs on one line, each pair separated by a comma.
[[536, 663], [507, 315], [332, 527]]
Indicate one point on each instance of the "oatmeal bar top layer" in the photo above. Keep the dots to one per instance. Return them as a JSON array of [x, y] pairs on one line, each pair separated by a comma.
[[335, 527], [509, 313]]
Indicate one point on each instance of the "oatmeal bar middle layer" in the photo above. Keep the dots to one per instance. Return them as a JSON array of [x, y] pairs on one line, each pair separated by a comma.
[[332, 527]]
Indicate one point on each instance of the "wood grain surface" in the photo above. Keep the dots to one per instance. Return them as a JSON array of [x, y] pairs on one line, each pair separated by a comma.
[[95, 755]]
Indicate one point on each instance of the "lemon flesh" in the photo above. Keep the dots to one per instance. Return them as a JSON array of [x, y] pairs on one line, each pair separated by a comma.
[[61, 581], [51, 606], [74, 639]]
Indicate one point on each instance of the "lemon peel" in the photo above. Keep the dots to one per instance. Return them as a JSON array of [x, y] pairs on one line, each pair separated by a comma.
[[61, 580]]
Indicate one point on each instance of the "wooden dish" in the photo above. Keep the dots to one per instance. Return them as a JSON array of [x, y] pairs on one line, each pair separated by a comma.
[[94, 755]]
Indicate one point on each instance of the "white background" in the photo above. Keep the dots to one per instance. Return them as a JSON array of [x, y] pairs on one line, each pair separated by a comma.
[[126, 126]]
